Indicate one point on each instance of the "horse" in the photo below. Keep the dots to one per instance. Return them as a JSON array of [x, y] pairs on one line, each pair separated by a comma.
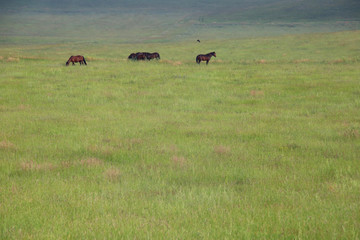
[[141, 56], [146, 55], [205, 57], [75, 59], [132, 56], [154, 55]]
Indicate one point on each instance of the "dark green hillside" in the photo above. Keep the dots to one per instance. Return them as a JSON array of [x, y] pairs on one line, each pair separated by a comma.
[[141, 21], [222, 10], [313, 10]]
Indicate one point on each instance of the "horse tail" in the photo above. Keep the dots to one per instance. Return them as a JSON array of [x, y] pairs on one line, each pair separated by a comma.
[[84, 61], [197, 59]]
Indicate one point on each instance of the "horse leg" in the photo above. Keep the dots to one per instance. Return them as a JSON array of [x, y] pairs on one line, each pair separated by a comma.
[[207, 61]]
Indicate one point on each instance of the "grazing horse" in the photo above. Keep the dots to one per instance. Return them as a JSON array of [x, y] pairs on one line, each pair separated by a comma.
[[205, 57], [140, 56], [75, 59], [146, 55], [132, 56], [154, 55]]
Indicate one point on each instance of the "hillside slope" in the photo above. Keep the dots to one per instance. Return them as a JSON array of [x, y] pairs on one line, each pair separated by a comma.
[[159, 20], [224, 10]]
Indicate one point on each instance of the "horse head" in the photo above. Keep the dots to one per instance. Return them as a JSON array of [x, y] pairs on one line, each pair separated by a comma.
[[69, 60], [132, 56]]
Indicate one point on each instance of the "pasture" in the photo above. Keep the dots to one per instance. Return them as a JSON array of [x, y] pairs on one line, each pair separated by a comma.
[[261, 143]]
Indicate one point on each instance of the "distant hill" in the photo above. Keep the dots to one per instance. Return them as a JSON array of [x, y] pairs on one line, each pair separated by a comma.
[[225, 10], [171, 20], [293, 10]]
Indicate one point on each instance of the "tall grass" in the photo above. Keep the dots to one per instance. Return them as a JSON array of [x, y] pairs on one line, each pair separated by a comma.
[[261, 143]]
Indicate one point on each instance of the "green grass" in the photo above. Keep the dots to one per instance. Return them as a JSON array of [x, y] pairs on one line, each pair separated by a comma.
[[263, 143]]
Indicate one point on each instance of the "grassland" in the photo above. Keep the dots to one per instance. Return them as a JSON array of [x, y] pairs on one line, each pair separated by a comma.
[[263, 143]]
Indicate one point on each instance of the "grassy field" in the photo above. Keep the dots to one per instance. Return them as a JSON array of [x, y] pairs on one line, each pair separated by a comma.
[[263, 143]]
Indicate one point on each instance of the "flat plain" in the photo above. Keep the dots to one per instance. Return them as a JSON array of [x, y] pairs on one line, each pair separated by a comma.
[[262, 143]]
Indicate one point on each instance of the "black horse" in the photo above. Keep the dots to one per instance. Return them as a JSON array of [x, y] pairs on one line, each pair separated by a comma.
[[132, 56], [205, 57]]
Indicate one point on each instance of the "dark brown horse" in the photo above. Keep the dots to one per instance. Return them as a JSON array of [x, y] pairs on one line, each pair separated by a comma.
[[132, 56], [205, 57], [154, 55], [75, 59], [140, 56]]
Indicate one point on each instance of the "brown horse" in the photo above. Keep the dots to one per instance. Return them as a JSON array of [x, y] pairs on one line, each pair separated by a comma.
[[154, 55], [75, 59], [205, 57]]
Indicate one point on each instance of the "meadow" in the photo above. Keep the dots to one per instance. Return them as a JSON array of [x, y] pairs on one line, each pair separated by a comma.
[[262, 143]]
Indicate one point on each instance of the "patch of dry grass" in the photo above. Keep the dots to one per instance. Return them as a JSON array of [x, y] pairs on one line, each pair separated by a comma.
[[301, 60], [178, 161], [23, 107], [257, 93], [33, 166], [174, 63], [104, 149], [112, 174], [66, 164], [6, 145], [134, 142], [13, 59], [168, 149], [94, 59], [351, 132], [91, 162], [33, 58], [337, 61], [222, 150]]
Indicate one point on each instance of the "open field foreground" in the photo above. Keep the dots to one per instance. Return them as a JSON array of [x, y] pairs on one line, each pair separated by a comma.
[[263, 143]]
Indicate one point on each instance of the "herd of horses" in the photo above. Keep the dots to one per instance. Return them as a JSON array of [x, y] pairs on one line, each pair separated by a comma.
[[142, 56]]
